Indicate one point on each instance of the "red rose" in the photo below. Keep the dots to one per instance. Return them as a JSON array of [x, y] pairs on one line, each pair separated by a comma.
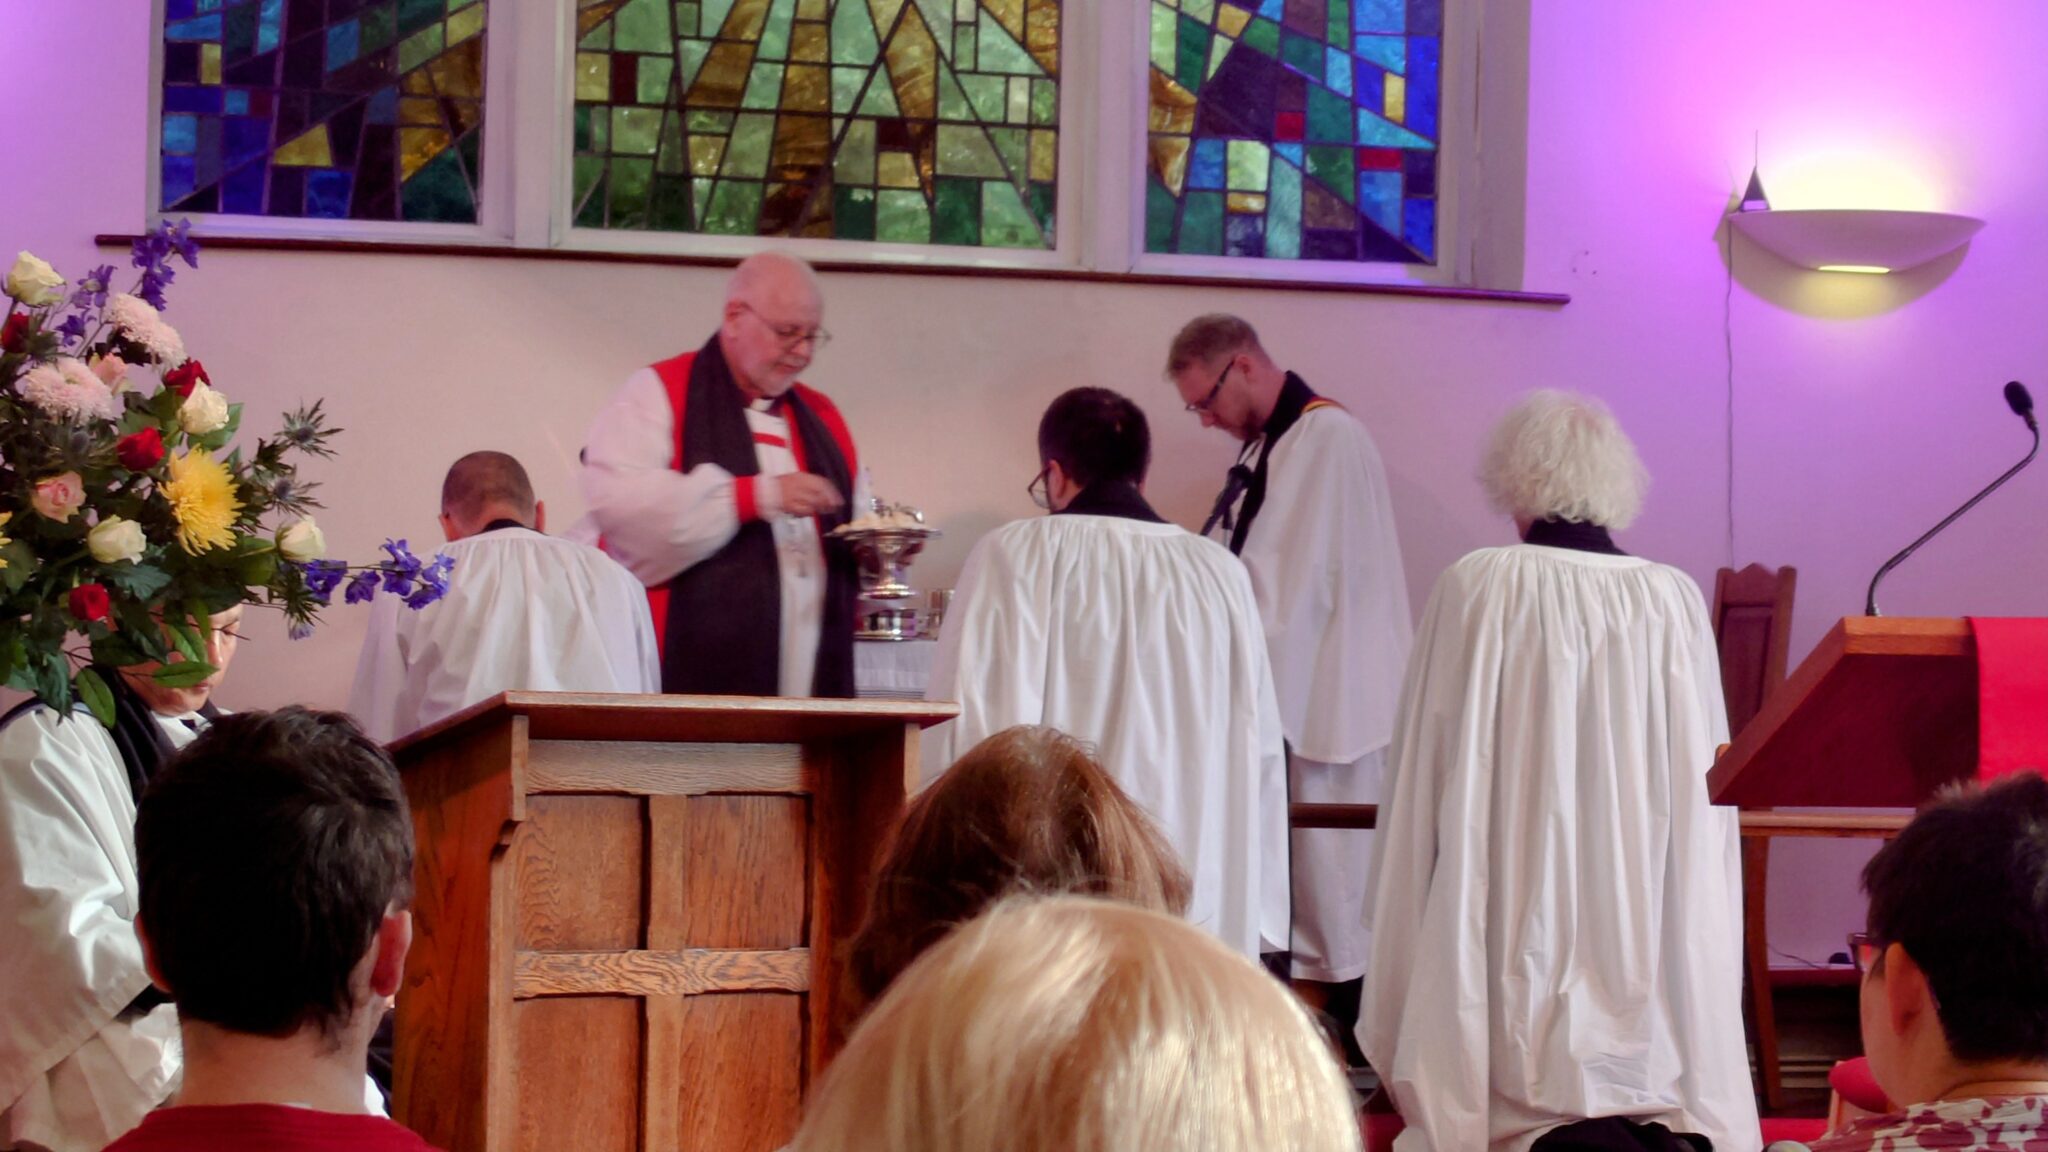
[[140, 451], [184, 376], [89, 602], [14, 333]]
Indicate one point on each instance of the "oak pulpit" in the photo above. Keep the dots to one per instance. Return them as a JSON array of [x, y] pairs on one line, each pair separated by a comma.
[[630, 911]]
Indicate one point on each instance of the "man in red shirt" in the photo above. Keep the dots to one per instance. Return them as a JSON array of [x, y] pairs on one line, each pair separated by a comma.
[[275, 861]]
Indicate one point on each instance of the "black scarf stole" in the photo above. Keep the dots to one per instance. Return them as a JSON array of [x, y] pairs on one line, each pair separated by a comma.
[[724, 627], [501, 522], [1295, 397], [137, 734], [1118, 498], [1577, 535]]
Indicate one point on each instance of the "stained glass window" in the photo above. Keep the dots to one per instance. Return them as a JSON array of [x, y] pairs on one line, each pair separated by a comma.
[[344, 109], [909, 121], [1294, 129]]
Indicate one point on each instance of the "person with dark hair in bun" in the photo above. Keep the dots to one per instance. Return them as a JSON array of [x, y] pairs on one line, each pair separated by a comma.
[[1110, 624]]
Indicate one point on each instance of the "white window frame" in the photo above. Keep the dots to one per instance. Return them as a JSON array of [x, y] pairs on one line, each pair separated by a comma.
[[525, 198]]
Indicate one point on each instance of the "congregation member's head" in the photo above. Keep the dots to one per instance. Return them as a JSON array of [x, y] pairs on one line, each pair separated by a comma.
[[1562, 456], [275, 860], [1090, 439], [1083, 1024], [1955, 987], [1224, 375], [222, 639], [774, 310], [486, 488], [1026, 810]]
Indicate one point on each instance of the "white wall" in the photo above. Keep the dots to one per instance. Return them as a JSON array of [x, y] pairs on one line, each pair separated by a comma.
[[1865, 408]]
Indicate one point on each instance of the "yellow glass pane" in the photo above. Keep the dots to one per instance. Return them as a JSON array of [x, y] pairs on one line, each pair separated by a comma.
[[1042, 34], [309, 149], [896, 170], [1251, 202], [723, 79], [882, 12], [593, 76], [1202, 10], [1170, 161], [801, 142], [1045, 155], [419, 110], [705, 153], [418, 83], [1397, 98], [416, 146], [1008, 13], [807, 89], [1230, 20], [809, 43], [209, 63], [811, 10], [460, 70], [466, 23], [745, 21], [1173, 107], [913, 57], [593, 13]]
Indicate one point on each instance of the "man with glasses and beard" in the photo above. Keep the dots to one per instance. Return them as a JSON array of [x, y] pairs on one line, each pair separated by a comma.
[[1141, 638], [714, 477]]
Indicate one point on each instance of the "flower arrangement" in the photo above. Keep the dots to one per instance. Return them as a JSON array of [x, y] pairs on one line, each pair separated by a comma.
[[126, 521]]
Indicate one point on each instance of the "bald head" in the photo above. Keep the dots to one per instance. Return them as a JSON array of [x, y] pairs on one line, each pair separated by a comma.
[[482, 487], [769, 277], [772, 325]]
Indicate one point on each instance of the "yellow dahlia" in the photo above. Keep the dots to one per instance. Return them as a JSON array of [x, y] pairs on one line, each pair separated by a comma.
[[202, 497], [5, 540]]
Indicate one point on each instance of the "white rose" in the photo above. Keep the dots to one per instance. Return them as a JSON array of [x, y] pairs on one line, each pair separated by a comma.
[[34, 283], [302, 540], [203, 411], [113, 540]]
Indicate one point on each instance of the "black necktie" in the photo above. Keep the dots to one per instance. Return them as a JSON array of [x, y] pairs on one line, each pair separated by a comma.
[[1233, 487]]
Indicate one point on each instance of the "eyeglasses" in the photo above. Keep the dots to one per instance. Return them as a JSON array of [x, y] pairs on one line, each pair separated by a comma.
[[1040, 489], [1203, 404], [1864, 951], [791, 335]]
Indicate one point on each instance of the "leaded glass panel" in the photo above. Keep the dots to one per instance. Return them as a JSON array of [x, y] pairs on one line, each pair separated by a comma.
[[1294, 129], [907, 121], [341, 109]]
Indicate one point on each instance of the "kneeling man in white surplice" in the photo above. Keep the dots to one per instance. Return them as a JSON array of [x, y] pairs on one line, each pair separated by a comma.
[[523, 611], [1557, 928], [1108, 623]]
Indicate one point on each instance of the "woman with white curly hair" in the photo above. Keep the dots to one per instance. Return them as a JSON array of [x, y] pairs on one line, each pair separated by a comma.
[[1080, 1024], [1557, 926]]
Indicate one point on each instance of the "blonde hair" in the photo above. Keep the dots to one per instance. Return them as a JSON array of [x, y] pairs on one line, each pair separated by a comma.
[[1562, 456], [1084, 1025]]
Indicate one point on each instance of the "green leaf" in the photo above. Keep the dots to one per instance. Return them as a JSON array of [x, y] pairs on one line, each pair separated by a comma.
[[117, 650], [183, 675], [141, 630], [50, 678], [202, 621], [186, 640], [141, 581], [257, 569], [98, 698], [12, 650], [22, 563]]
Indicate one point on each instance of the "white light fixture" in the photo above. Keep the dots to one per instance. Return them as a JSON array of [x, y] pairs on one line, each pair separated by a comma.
[[1855, 239]]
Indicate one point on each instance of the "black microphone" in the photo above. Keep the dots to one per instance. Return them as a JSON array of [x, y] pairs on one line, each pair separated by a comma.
[[2022, 405]]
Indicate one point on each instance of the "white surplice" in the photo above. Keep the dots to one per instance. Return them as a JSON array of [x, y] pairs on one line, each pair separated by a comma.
[[74, 1072], [523, 611], [1143, 640], [1557, 907], [1326, 568], [658, 521]]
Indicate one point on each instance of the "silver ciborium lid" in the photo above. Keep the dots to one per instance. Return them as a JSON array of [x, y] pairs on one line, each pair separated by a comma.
[[884, 541]]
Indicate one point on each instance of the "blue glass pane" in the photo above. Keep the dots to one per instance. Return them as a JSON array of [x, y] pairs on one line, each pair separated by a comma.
[[235, 102], [183, 98], [1423, 83], [268, 31], [197, 28], [181, 135], [327, 193], [1418, 226], [180, 177], [246, 138], [1379, 197], [242, 191], [344, 41], [1205, 166], [1379, 15], [383, 107], [175, 10]]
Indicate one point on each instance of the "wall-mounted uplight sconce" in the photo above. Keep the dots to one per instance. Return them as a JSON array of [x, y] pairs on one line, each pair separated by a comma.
[[1863, 240]]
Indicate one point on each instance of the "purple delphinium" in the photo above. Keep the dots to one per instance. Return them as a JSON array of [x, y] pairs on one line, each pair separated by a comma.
[[152, 253], [401, 570], [433, 582], [92, 289], [322, 578], [362, 587], [299, 629], [72, 329]]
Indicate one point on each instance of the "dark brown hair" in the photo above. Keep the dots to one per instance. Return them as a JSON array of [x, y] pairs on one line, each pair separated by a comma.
[[1209, 338], [1097, 436], [1026, 810], [268, 851], [481, 480]]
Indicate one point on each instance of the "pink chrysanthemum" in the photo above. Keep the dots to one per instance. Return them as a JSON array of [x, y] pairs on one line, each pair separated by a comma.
[[68, 390]]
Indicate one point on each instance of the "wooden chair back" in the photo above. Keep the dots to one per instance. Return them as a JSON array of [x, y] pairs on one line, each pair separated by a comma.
[[1753, 628]]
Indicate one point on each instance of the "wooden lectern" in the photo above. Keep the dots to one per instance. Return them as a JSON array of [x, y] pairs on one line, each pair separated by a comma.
[[630, 913]]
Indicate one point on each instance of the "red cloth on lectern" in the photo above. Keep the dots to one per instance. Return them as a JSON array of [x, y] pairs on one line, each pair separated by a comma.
[[2012, 681]]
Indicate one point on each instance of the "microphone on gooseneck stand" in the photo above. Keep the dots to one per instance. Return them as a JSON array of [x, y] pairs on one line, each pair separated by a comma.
[[2022, 405]]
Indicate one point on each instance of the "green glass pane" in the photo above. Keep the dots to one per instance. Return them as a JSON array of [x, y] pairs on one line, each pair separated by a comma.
[[643, 26], [996, 51], [379, 28], [1263, 35], [600, 128], [846, 82], [1335, 169], [953, 103], [589, 197], [582, 129], [630, 180], [990, 96], [711, 20], [855, 161], [938, 16], [1247, 166], [1163, 37], [1201, 224], [853, 34], [1013, 145], [673, 159], [853, 213], [1329, 116], [1005, 221], [764, 87], [1192, 55], [668, 208], [1019, 110], [700, 198], [1302, 53], [690, 54], [747, 155], [655, 72], [956, 211], [965, 150], [963, 46], [635, 131], [1283, 213], [702, 122], [686, 19], [600, 37], [880, 99], [1338, 33], [735, 208], [1379, 133], [1041, 199], [419, 49], [775, 34], [902, 218], [1045, 102], [1203, 10]]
